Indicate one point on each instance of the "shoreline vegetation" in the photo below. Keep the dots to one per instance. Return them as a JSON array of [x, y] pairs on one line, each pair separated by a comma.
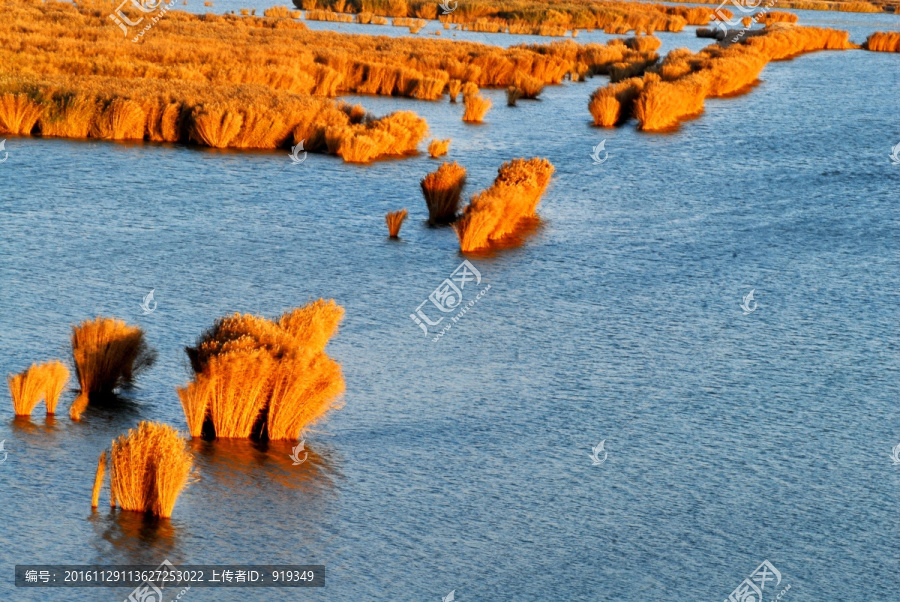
[[252, 82], [674, 90], [545, 18]]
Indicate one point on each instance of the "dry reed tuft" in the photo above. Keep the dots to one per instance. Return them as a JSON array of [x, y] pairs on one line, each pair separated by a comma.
[[149, 467], [40, 381], [442, 190], [98, 480], [497, 212], [394, 221], [774, 17], [881, 41], [476, 106], [18, 114], [614, 104], [513, 94], [108, 354], [675, 89], [453, 88], [438, 148], [260, 378]]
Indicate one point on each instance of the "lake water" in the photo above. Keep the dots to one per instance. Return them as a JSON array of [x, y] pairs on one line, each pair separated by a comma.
[[463, 463]]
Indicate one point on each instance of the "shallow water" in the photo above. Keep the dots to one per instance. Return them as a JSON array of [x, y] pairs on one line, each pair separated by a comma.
[[462, 464]]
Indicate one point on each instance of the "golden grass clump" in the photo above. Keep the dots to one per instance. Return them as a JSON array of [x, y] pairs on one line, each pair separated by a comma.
[[108, 354], [476, 106], [497, 212], [676, 89], [774, 17], [614, 104], [882, 41], [262, 378], [39, 382], [454, 86], [325, 15], [274, 12], [438, 148], [442, 190], [18, 114], [394, 220], [513, 94], [149, 467], [98, 480]]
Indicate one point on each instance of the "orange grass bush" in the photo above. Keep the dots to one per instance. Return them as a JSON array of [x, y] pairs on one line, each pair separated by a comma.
[[476, 106], [881, 41], [264, 378], [614, 104], [394, 220], [496, 212], [442, 190], [513, 94], [18, 114], [98, 480], [774, 17], [438, 148], [108, 354], [547, 17], [39, 382], [676, 88], [149, 467]]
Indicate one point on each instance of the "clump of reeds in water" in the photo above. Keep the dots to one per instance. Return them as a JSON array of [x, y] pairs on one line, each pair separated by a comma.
[[438, 148], [774, 17], [394, 220], [264, 378], [108, 354], [442, 190], [454, 86], [497, 212], [476, 106], [676, 88], [513, 94], [881, 41], [39, 382], [614, 104], [149, 467]]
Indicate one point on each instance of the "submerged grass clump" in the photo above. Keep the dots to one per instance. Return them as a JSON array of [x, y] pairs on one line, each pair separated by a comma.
[[442, 190], [264, 378], [394, 220], [108, 354], [149, 467], [497, 212], [39, 382]]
